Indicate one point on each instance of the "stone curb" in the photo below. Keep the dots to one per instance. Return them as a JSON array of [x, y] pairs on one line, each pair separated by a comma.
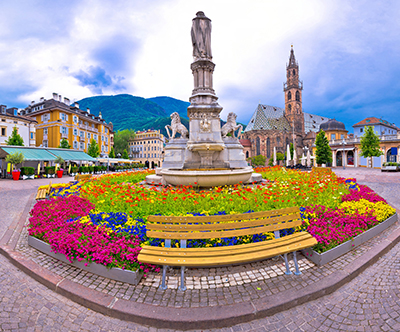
[[197, 318]]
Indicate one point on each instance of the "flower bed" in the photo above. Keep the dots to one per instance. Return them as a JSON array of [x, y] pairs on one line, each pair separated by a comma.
[[103, 219]]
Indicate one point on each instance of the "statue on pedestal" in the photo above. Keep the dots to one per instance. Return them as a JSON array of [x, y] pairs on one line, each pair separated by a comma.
[[201, 37], [230, 126], [176, 127]]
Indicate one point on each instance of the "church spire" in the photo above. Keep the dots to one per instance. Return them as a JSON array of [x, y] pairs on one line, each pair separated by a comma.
[[292, 60]]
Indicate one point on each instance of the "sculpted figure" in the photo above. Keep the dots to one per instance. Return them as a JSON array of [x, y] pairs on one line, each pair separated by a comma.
[[201, 37], [230, 126], [176, 127]]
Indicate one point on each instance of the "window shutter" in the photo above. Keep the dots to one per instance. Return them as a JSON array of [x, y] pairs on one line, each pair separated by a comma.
[[60, 130], [66, 117], [42, 117]]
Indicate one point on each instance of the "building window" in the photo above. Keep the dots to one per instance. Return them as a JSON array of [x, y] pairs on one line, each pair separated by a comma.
[[63, 117], [75, 145], [258, 152], [342, 136], [82, 146], [294, 72], [333, 136], [297, 96], [361, 130], [75, 119], [289, 107], [45, 131], [3, 131], [88, 135], [64, 130], [268, 148], [75, 132], [81, 134], [31, 135], [289, 96], [45, 143], [95, 137]]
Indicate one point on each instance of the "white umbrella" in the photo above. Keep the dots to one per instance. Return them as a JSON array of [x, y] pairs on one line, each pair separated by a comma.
[[308, 158], [303, 160], [294, 157], [274, 155], [288, 158]]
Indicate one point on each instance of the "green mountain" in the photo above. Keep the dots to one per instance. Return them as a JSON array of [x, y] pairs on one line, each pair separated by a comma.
[[124, 111], [171, 105], [130, 112]]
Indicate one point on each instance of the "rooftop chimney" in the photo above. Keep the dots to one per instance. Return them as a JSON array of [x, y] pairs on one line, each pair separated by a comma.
[[3, 109], [66, 101], [88, 110], [41, 98], [55, 96], [100, 115], [59, 98], [76, 105], [32, 102]]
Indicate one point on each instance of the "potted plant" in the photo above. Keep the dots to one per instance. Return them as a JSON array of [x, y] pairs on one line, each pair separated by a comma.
[[74, 170], [15, 159], [60, 161], [28, 173], [390, 166], [50, 171]]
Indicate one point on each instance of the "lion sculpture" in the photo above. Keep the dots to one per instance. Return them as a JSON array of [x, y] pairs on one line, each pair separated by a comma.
[[230, 126], [176, 127]]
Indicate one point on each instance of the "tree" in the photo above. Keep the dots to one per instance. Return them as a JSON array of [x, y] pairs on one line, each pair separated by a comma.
[[93, 149], [15, 158], [125, 155], [15, 138], [323, 152], [279, 156], [370, 145], [112, 153], [258, 160], [121, 140], [64, 144]]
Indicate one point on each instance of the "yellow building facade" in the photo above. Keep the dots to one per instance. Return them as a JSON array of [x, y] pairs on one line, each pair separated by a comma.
[[148, 147], [58, 120]]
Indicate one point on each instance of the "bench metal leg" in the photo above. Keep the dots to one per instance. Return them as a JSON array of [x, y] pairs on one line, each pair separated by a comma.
[[164, 272], [296, 265], [288, 272], [182, 286]]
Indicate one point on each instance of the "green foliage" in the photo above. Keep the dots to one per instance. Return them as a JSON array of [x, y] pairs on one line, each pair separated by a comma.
[[64, 144], [93, 149], [59, 160], [258, 160], [15, 158], [323, 151], [391, 164], [50, 170], [279, 156], [125, 154], [121, 140], [27, 170], [112, 153], [370, 143], [15, 138]]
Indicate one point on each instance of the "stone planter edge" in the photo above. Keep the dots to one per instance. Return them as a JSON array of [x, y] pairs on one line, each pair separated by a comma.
[[328, 256], [131, 277]]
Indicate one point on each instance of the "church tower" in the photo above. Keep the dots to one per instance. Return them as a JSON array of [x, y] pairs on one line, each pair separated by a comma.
[[293, 95]]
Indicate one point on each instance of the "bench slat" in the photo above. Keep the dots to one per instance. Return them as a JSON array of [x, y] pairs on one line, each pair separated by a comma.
[[219, 218], [221, 234], [228, 259], [244, 222], [225, 250]]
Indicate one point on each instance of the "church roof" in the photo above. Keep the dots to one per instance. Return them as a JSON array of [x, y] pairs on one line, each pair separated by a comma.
[[312, 122], [269, 118], [273, 118]]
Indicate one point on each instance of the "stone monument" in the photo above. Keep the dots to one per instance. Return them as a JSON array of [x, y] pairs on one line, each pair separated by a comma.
[[204, 154]]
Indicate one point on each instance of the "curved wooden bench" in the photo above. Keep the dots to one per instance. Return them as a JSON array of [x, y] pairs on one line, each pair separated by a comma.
[[43, 192], [81, 177], [185, 228]]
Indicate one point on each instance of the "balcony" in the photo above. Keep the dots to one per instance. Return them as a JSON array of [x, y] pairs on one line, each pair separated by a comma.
[[81, 139], [64, 135]]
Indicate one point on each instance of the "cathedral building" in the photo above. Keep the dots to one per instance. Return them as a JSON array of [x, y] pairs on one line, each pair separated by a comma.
[[272, 126]]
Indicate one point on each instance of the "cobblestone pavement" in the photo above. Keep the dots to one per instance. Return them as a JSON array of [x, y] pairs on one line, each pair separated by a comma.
[[370, 302]]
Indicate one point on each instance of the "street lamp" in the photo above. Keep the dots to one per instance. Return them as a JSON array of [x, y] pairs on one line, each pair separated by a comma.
[[343, 157], [118, 155]]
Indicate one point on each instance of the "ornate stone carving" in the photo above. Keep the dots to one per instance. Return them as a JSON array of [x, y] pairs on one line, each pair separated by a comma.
[[205, 125], [204, 115], [176, 127], [230, 126]]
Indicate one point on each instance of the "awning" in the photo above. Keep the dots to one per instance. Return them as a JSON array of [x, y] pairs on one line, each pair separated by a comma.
[[29, 153], [345, 149], [68, 155], [117, 161]]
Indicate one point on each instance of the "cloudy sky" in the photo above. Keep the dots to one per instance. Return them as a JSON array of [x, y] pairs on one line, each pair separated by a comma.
[[348, 52]]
